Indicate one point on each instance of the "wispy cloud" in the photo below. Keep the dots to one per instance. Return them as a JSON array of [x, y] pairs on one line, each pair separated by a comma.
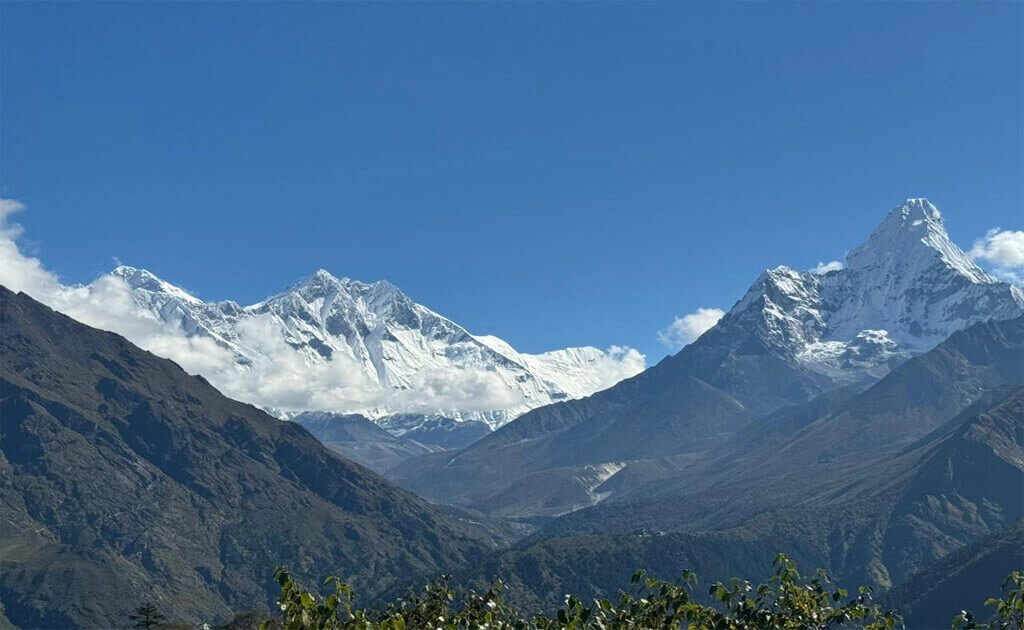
[[685, 330], [1003, 251], [822, 268]]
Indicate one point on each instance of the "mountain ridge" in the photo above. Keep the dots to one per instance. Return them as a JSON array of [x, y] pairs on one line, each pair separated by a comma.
[[123, 474], [752, 363], [376, 351]]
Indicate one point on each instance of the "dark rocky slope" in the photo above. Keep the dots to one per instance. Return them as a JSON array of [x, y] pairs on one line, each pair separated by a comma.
[[124, 479], [873, 521], [535, 463], [962, 581]]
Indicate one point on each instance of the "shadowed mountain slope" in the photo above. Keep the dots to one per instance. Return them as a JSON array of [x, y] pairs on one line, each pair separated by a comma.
[[358, 438], [877, 520], [124, 479], [516, 474], [961, 581]]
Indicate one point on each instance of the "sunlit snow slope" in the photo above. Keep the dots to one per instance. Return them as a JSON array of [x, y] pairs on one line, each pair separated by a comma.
[[900, 293], [375, 351]]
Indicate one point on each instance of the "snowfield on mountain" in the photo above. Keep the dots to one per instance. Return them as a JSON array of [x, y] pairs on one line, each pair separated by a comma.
[[346, 346], [900, 293]]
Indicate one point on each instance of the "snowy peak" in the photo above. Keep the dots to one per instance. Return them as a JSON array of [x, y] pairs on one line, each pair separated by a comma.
[[142, 280], [341, 345], [912, 236], [909, 279], [916, 212], [323, 274], [902, 291], [323, 282], [320, 283], [781, 286], [324, 290]]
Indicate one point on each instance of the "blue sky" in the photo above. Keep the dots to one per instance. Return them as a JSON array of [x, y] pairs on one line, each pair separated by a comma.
[[555, 174]]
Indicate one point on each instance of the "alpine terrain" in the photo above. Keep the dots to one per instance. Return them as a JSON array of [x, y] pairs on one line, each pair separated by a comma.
[[867, 420], [793, 337], [369, 349], [123, 479]]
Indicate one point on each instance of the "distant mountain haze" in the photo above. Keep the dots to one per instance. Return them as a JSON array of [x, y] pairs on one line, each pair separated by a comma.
[[357, 438]]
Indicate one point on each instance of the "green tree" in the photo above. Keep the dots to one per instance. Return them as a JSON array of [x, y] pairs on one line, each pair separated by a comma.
[[147, 616]]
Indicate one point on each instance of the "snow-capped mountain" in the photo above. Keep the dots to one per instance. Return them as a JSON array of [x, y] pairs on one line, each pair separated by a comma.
[[385, 353], [900, 293], [760, 374]]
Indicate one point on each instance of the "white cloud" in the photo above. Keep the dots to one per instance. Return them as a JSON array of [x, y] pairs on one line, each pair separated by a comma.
[[823, 268], [685, 330], [618, 362], [19, 272], [1003, 250], [106, 304], [455, 389], [279, 378]]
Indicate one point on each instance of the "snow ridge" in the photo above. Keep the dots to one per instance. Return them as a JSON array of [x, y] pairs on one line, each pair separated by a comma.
[[901, 292], [386, 341]]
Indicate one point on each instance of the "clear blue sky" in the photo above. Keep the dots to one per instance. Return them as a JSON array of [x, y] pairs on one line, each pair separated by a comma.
[[555, 174]]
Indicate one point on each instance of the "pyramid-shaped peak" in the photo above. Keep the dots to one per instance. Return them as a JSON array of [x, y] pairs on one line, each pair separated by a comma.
[[323, 274], [912, 238], [921, 206], [913, 213], [319, 279], [909, 222], [126, 272]]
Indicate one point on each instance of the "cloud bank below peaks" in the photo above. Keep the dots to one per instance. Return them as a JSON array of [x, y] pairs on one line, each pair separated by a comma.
[[275, 376]]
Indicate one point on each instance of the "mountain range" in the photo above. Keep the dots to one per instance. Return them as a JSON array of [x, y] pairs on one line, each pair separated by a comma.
[[369, 349], [897, 508], [868, 420], [123, 479], [874, 466], [792, 338]]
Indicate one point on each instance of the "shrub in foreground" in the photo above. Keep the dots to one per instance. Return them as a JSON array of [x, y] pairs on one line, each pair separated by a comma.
[[788, 600]]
